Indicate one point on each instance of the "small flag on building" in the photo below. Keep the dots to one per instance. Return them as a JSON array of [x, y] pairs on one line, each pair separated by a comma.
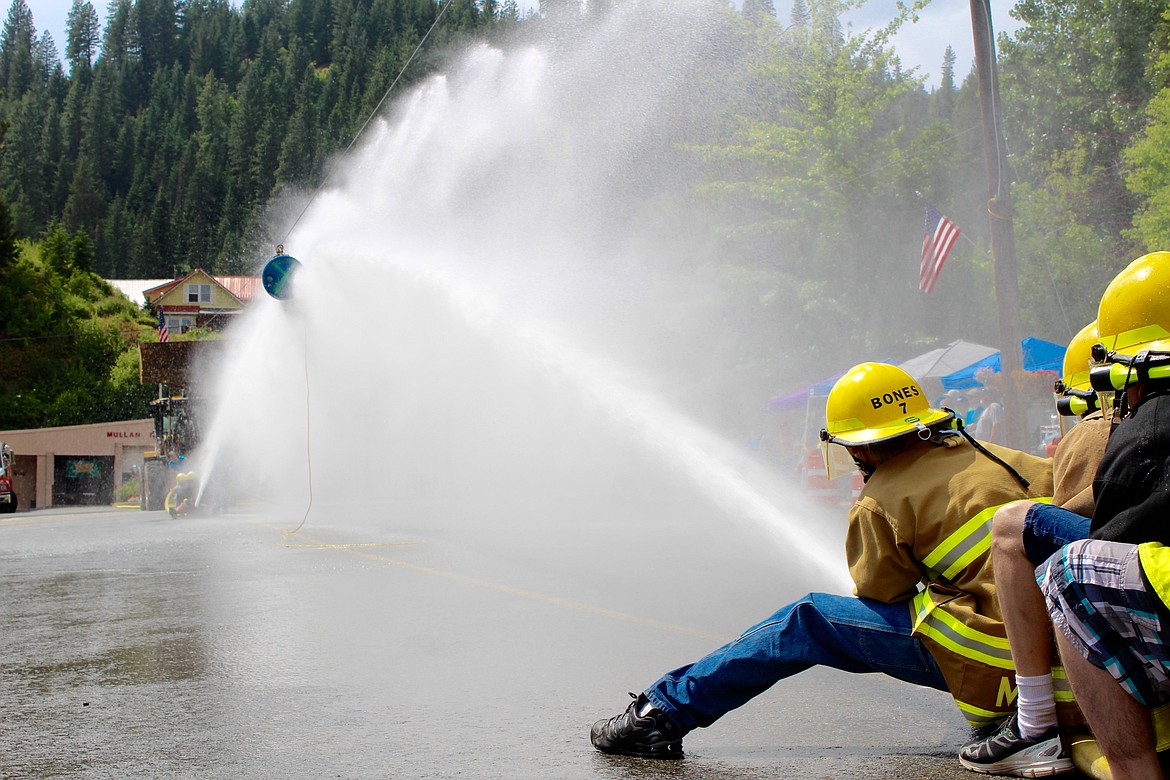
[[938, 238], [164, 335]]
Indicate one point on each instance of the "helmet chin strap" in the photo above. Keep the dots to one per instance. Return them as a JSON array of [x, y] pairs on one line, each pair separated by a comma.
[[961, 430], [942, 437], [865, 467]]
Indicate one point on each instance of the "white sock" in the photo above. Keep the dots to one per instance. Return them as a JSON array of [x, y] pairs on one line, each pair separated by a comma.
[[1035, 705]]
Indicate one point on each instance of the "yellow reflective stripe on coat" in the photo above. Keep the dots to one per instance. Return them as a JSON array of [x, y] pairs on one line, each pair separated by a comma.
[[951, 633], [969, 542]]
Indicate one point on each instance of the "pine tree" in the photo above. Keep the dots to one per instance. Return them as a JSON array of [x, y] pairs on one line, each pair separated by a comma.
[[157, 25], [81, 32], [86, 204], [118, 37], [8, 248], [799, 17], [944, 97], [17, 69], [757, 10]]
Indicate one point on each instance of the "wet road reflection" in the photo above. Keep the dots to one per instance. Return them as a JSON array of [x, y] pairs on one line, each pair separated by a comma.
[[133, 645]]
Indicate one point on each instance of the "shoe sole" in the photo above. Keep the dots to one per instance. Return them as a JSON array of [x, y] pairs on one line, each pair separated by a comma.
[[1047, 769], [670, 752]]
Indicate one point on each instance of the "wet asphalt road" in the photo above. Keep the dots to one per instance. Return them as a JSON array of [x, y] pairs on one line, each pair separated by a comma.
[[135, 645]]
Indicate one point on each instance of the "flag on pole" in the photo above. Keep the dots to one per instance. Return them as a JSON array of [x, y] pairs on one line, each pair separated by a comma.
[[164, 335], [938, 238]]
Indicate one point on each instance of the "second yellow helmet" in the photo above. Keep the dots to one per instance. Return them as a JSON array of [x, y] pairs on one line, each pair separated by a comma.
[[1134, 313], [1078, 358]]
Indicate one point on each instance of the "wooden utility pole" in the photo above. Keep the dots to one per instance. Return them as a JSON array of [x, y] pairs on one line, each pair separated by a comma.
[[999, 212]]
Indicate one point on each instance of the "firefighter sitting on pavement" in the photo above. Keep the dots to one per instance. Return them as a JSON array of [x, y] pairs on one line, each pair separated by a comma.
[[924, 609], [1023, 535], [1130, 495]]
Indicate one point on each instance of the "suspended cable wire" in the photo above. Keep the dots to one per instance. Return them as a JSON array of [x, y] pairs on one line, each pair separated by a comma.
[[280, 250], [370, 118]]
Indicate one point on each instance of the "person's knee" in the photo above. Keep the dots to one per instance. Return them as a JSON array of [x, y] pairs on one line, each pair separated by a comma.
[[820, 607], [1007, 527]]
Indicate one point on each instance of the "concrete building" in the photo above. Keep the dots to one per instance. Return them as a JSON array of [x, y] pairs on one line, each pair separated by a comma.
[[85, 464], [76, 464]]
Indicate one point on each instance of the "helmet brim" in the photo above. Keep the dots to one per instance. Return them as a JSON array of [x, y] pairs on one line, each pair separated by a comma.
[[859, 436]]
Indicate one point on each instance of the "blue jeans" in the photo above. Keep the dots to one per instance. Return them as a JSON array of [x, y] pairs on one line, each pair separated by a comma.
[[1047, 528], [842, 632]]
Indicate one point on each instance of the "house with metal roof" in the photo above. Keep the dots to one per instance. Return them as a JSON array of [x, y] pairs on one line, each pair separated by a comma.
[[199, 299]]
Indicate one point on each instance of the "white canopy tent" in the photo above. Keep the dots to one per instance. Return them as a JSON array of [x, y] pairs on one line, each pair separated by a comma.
[[946, 360]]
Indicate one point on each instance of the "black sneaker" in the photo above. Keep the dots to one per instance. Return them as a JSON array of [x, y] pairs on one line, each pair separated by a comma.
[[1007, 753], [642, 730]]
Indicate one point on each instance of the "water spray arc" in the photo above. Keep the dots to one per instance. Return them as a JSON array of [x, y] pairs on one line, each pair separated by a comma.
[[462, 362]]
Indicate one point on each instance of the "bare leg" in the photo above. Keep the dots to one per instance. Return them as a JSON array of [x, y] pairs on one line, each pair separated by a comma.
[[1120, 724], [1025, 616]]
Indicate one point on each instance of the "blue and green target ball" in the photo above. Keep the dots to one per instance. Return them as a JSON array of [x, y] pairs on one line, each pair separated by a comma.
[[278, 275]]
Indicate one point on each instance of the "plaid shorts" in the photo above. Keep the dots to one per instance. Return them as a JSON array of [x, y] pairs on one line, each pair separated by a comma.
[[1097, 597]]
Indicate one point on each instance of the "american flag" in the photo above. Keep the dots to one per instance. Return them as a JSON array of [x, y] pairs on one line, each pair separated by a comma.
[[937, 240], [164, 335]]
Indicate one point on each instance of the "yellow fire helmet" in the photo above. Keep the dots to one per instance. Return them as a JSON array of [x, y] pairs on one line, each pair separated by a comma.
[[874, 402], [1134, 314], [1079, 357], [1075, 396]]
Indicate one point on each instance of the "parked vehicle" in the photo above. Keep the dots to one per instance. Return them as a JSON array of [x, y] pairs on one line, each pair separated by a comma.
[[7, 494]]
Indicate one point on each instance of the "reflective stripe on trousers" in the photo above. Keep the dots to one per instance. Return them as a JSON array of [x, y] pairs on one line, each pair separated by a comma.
[[951, 633], [967, 544]]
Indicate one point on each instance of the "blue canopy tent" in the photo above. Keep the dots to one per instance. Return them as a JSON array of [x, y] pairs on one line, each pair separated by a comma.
[[1039, 355]]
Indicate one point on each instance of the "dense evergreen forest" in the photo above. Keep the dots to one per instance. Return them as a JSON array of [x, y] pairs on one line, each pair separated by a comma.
[[156, 137], [164, 136]]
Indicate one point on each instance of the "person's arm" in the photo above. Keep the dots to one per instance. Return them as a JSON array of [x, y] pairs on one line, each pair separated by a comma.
[[880, 562], [1074, 464], [1132, 488]]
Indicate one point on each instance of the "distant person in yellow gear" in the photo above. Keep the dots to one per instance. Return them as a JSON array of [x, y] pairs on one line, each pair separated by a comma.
[[181, 499], [924, 609]]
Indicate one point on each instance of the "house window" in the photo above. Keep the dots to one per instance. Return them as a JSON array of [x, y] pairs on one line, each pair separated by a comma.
[[180, 324], [199, 293]]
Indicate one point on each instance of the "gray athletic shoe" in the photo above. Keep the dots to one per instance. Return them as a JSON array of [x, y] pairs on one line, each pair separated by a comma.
[[1007, 753]]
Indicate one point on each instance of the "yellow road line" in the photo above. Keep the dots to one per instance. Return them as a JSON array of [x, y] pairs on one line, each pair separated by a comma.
[[32, 519], [513, 591]]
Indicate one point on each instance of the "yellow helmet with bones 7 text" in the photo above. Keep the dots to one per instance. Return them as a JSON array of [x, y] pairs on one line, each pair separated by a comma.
[[876, 402]]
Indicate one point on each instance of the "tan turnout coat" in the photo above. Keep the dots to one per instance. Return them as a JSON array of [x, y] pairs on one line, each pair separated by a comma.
[[920, 533]]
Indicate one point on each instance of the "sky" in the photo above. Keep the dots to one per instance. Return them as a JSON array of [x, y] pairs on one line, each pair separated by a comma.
[[922, 44], [919, 45]]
